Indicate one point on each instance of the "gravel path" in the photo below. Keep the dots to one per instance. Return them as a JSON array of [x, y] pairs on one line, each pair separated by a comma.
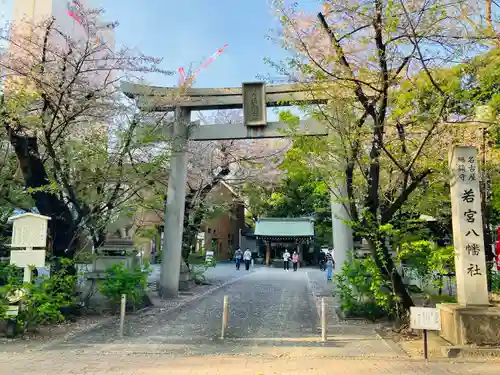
[[266, 303], [273, 329], [86, 328], [269, 310]]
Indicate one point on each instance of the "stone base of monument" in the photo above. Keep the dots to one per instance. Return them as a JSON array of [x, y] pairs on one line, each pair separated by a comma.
[[186, 281], [466, 351], [468, 325]]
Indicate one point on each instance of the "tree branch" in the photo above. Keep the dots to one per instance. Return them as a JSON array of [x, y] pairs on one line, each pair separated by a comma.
[[403, 197], [360, 94]]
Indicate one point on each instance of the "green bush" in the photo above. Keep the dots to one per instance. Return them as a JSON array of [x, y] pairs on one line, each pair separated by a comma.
[[121, 280], [428, 261], [443, 298], [196, 259], [362, 290], [44, 301], [198, 273], [7, 271], [495, 281]]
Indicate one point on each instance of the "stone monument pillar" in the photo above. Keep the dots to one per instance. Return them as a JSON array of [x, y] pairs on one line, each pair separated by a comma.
[[472, 320], [470, 261]]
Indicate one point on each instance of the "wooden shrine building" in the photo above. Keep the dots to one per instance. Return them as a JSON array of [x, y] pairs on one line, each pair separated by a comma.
[[279, 234]]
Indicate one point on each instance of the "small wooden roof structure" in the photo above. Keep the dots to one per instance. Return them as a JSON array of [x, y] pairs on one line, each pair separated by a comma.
[[283, 229]]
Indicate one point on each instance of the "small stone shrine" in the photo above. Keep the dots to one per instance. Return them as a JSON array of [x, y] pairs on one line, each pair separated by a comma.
[[186, 281], [116, 251]]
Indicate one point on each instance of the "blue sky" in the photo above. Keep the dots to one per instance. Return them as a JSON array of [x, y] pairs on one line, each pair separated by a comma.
[[186, 32]]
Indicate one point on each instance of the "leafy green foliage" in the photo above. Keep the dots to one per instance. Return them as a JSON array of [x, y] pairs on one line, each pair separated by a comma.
[[97, 159], [121, 280], [45, 300], [429, 261], [495, 282], [362, 290]]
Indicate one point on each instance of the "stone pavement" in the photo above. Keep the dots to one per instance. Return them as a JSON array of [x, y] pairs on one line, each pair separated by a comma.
[[273, 329], [100, 363]]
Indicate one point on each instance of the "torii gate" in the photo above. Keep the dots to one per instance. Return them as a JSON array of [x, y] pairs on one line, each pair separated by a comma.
[[253, 98]]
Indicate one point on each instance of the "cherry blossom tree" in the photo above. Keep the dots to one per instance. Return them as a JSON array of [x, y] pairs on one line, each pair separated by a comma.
[[371, 56], [81, 147]]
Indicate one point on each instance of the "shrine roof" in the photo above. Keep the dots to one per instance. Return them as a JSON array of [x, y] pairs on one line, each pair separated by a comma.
[[26, 214]]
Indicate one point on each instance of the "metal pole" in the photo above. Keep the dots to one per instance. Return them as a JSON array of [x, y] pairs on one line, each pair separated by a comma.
[[174, 210], [425, 345], [225, 309], [122, 313], [323, 320]]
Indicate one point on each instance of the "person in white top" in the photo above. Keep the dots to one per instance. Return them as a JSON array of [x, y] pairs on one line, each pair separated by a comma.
[[286, 260], [247, 257]]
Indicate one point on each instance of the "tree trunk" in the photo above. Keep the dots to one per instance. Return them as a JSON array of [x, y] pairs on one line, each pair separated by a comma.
[[385, 264], [62, 228], [193, 215], [187, 228]]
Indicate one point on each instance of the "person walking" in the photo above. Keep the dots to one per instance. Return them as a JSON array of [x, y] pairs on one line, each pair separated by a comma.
[[286, 260], [247, 257], [238, 256], [329, 265], [295, 261], [322, 261]]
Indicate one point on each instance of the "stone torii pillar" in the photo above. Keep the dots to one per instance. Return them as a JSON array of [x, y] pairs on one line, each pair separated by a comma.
[[171, 256], [253, 98], [342, 232]]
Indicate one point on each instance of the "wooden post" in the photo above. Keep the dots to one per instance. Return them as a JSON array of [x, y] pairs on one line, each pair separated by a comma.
[[323, 320], [268, 253], [225, 310], [27, 275], [122, 313], [299, 253]]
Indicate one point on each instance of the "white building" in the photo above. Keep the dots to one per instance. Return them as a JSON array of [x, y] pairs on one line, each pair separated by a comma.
[[28, 14], [37, 11]]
